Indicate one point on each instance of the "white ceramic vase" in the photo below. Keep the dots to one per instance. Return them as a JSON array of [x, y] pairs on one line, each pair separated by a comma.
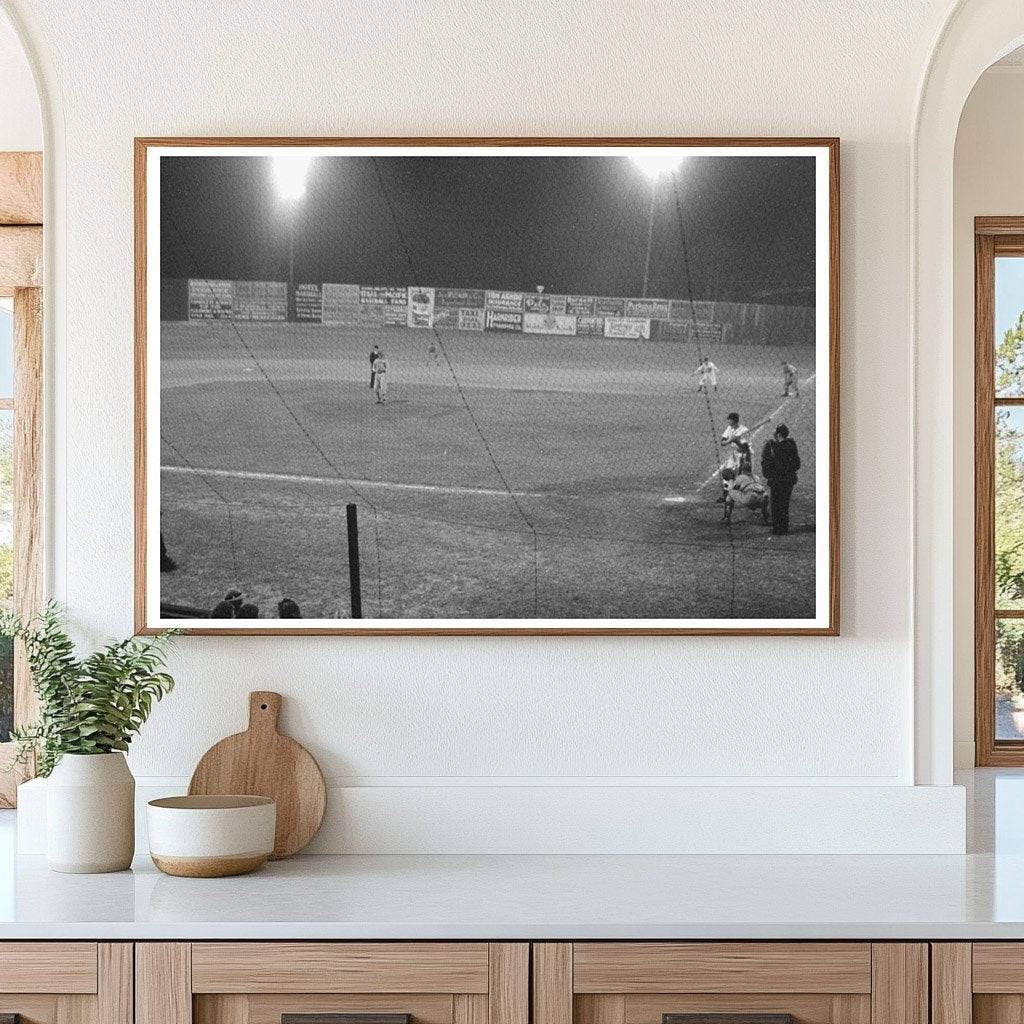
[[90, 814]]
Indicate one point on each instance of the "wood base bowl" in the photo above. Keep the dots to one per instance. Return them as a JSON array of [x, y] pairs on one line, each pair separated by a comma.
[[211, 836]]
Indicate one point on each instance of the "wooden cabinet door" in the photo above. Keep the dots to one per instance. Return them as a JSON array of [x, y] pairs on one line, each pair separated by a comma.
[[737, 982], [66, 982], [977, 983], [264, 982]]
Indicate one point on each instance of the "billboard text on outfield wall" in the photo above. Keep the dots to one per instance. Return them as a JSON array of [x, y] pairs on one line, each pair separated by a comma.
[[471, 320], [421, 307], [511, 301], [308, 303], [340, 304], [579, 305], [471, 298], [548, 323], [210, 300], [500, 320], [383, 295], [626, 327]]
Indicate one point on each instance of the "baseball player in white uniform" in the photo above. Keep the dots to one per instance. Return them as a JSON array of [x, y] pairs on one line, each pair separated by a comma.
[[380, 378], [707, 375], [736, 438], [789, 381]]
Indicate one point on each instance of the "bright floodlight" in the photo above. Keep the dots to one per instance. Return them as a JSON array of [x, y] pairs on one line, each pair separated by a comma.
[[656, 162], [289, 171]]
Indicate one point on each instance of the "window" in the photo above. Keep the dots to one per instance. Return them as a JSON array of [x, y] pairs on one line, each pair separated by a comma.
[[999, 490], [21, 365]]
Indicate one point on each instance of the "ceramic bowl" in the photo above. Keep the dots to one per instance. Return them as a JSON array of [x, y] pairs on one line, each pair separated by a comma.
[[211, 836]]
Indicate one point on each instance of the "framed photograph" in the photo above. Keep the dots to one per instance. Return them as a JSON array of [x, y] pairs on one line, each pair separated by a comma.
[[487, 386]]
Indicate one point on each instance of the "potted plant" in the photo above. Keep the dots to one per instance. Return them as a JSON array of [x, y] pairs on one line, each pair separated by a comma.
[[89, 710]]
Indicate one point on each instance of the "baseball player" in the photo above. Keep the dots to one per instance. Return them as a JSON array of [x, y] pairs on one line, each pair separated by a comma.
[[736, 438], [380, 377], [745, 491], [707, 376], [374, 352], [789, 380]]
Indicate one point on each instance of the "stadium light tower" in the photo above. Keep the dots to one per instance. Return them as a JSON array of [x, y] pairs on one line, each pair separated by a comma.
[[656, 164], [289, 170]]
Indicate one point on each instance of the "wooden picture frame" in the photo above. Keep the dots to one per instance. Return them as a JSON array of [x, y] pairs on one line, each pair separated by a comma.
[[151, 616]]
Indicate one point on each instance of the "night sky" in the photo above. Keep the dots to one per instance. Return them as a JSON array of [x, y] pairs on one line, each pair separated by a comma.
[[577, 225]]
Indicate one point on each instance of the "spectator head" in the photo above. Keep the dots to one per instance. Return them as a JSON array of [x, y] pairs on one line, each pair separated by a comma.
[[288, 609], [248, 611], [234, 598], [782, 431], [223, 610], [734, 418]]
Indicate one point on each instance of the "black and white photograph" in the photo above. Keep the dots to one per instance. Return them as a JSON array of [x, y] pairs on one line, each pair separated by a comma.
[[459, 386]]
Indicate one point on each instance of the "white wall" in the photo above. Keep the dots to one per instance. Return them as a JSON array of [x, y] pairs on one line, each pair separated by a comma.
[[443, 713], [21, 125], [988, 180]]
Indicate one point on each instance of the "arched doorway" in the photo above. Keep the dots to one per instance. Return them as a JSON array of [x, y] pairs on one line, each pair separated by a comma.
[[977, 33]]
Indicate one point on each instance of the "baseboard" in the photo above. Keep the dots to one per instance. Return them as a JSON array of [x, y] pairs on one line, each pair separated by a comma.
[[599, 819]]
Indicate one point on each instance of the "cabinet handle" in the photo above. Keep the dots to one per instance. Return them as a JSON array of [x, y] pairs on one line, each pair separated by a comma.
[[337, 1018], [728, 1018]]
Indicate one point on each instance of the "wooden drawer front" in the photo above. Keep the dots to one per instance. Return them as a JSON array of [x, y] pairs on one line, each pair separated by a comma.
[[712, 967], [648, 1009], [267, 1009], [998, 967], [366, 967], [53, 967]]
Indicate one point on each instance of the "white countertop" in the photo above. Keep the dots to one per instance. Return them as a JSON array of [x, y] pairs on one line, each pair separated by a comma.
[[978, 896], [532, 897]]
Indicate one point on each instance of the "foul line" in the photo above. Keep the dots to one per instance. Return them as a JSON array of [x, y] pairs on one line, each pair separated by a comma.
[[714, 476], [290, 478]]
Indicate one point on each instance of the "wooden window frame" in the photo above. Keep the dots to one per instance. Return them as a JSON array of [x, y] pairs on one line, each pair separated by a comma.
[[21, 269]]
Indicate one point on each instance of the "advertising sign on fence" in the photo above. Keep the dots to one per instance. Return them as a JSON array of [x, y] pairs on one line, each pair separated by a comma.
[[626, 327], [683, 309], [467, 297], [557, 304], [471, 319], [382, 294], [651, 309], [500, 320], [548, 323], [512, 301], [340, 304], [210, 300], [704, 333], [580, 305], [537, 303], [308, 306], [446, 317], [421, 307], [396, 316], [609, 307], [261, 300], [590, 325]]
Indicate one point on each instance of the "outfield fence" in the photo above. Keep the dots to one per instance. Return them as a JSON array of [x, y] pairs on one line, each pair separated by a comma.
[[474, 309]]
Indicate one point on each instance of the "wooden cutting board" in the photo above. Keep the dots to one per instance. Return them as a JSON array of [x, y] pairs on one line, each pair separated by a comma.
[[262, 762]]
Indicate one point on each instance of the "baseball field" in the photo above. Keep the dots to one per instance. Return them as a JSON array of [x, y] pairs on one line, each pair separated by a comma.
[[507, 476]]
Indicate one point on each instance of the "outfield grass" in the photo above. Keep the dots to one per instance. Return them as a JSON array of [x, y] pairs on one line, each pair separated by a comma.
[[591, 435]]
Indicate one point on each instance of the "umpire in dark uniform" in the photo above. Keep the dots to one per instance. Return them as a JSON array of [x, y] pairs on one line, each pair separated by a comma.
[[779, 464]]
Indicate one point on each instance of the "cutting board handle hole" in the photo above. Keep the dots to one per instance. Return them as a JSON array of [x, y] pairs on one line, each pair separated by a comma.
[[263, 707]]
